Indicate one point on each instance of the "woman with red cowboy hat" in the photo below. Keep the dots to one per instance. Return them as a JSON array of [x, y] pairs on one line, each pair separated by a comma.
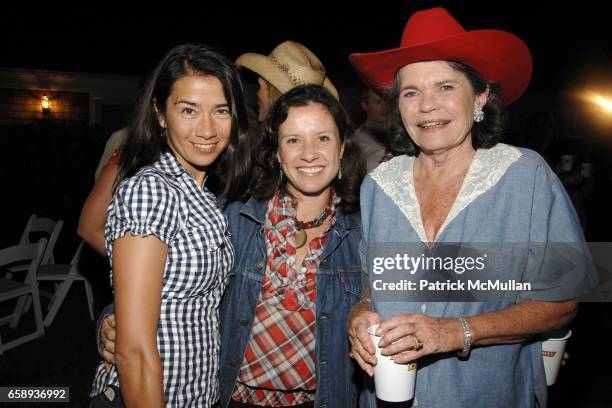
[[458, 184]]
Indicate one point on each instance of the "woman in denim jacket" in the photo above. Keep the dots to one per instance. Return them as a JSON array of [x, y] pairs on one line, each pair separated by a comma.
[[297, 276], [283, 327]]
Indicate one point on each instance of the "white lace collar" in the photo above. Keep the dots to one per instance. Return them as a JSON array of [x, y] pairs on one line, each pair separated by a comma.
[[487, 168]]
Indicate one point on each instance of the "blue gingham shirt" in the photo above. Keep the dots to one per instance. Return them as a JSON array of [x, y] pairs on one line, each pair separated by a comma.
[[164, 200]]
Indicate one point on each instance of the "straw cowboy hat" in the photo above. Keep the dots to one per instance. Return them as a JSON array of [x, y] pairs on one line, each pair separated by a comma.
[[290, 64], [434, 34]]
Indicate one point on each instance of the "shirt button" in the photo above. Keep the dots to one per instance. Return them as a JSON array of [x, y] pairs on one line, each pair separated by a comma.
[[303, 269], [323, 316], [323, 362], [423, 308], [259, 264], [244, 322]]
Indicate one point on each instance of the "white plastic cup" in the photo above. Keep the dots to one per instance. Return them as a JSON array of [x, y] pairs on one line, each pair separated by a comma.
[[394, 382], [552, 354]]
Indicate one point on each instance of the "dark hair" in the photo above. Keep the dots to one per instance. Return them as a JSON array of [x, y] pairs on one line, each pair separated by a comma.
[[145, 143], [485, 134], [266, 176]]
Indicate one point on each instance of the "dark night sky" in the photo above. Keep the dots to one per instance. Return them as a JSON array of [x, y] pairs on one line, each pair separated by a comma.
[[571, 46]]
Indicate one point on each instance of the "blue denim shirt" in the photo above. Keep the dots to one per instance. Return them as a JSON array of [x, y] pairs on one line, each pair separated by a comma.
[[509, 195], [338, 290]]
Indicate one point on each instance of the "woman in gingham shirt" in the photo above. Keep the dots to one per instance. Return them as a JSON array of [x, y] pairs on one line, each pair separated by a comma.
[[167, 240]]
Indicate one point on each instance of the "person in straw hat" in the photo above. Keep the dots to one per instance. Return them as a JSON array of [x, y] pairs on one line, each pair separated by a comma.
[[290, 64], [299, 211], [456, 183], [296, 237]]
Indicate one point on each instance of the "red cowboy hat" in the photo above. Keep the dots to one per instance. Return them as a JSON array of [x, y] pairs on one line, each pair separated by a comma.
[[434, 34]]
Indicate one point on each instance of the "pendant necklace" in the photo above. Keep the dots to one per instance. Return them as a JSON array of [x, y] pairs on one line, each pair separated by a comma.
[[301, 227]]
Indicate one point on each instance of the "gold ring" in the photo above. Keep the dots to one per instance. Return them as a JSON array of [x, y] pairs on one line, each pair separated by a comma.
[[418, 345]]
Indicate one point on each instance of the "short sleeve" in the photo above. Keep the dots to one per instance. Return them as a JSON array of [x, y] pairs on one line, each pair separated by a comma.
[[559, 266], [144, 205]]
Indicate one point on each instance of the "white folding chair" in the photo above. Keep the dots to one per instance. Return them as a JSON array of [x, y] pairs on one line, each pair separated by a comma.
[[43, 225], [46, 226], [38, 225], [66, 274], [10, 289]]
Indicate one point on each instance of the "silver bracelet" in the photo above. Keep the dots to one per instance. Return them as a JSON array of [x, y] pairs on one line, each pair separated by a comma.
[[467, 339]]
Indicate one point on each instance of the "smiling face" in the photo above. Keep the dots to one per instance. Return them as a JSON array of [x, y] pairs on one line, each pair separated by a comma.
[[309, 150], [436, 103], [198, 122]]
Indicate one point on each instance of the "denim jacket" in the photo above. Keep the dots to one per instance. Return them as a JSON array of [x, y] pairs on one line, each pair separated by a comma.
[[338, 290]]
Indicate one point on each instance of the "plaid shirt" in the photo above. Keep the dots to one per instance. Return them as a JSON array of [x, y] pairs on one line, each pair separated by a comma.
[[164, 200], [279, 364]]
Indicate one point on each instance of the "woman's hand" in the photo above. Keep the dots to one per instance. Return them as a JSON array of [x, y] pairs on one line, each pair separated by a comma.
[[408, 337], [107, 341], [362, 347]]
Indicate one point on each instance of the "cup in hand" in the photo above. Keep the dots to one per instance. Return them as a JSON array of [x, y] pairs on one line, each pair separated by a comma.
[[552, 353], [394, 382]]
